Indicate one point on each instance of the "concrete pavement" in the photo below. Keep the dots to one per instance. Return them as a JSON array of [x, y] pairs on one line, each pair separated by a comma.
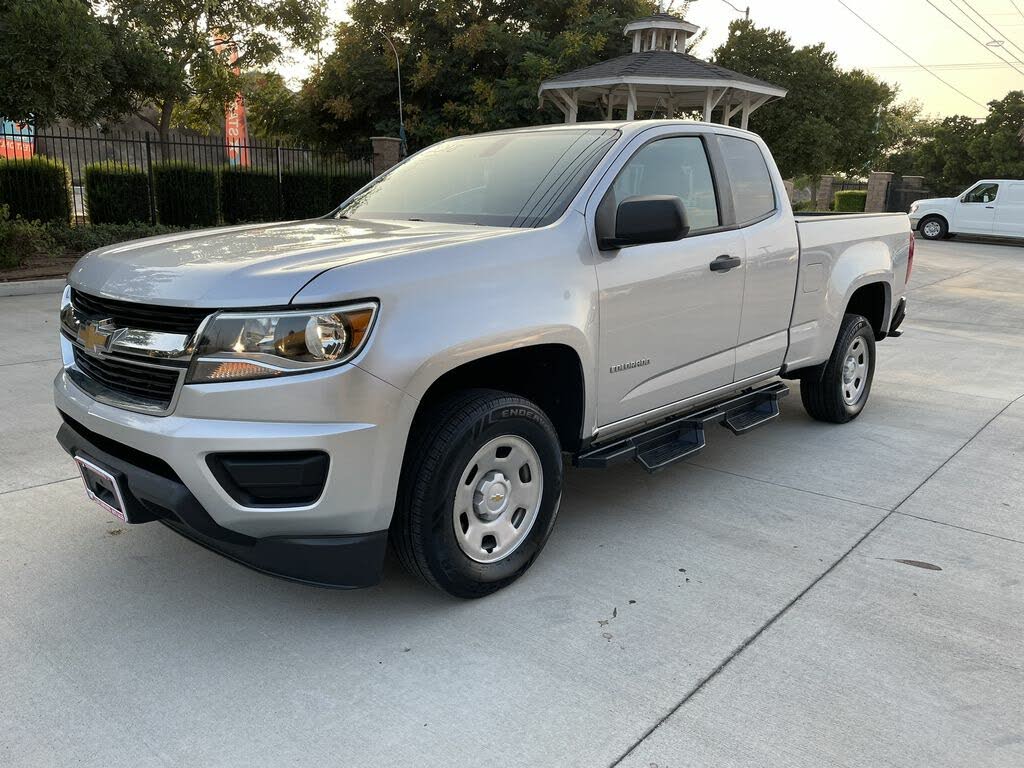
[[748, 608]]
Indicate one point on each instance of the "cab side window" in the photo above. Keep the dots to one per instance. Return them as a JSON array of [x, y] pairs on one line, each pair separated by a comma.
[[983, 193], [752, 190], [675, 166]]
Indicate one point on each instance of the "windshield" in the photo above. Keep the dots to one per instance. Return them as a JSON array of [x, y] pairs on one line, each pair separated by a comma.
[[523, 179]]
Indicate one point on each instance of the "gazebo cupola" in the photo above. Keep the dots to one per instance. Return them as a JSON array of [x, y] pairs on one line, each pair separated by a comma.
[[659, 77]]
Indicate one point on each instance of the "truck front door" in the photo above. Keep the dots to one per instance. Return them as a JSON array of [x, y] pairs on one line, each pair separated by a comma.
[[668, 320], [975, 213]]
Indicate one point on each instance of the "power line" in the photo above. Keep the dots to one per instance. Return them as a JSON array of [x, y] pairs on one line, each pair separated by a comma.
[[1002, 36], [922, 66], [970, 34], [1021, 12]]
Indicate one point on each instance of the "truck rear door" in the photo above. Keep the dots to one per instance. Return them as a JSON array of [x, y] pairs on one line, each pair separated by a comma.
[[765, 220]]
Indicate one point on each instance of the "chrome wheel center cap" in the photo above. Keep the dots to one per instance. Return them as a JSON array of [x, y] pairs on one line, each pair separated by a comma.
[[849, 369], [491, 497]]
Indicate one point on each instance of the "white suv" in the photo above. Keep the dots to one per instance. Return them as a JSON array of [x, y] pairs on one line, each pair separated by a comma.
[[990, 207]]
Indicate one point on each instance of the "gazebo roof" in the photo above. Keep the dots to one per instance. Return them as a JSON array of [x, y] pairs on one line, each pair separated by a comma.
[[659, 76], [660, 67]]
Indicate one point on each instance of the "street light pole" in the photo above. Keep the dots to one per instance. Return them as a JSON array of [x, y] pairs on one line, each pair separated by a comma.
[[401, 119]]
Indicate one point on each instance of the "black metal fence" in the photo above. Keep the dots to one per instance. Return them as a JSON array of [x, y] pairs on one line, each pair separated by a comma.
[[291, 181]]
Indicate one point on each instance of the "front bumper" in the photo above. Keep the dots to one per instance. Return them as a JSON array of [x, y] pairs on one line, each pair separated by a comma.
[[152, 491], [359, 421]]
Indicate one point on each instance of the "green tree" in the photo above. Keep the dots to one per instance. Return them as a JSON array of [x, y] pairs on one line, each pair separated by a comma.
[[995, 148], [61, 61], [830, 120], [183, 32], [466, 66]]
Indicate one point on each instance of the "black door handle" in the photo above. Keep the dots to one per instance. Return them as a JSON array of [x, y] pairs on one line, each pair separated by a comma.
[[725, 263]]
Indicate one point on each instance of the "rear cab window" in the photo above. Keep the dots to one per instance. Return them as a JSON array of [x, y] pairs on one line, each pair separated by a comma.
[[752, 189]]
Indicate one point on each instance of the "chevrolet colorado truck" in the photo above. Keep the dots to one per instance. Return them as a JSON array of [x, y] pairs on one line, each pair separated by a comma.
[[419, 365]]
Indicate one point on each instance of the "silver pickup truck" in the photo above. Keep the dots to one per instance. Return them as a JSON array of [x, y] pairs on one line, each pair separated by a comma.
[[417, 366]]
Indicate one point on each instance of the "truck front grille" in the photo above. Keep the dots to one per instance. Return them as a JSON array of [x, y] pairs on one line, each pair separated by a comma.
[[146, 385], [130, 314]]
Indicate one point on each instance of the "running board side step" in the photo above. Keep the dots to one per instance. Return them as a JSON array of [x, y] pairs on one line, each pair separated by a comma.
[[682, 436]]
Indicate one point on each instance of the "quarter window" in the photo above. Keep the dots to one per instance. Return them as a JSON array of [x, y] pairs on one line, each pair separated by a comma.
[[674, 166], [753, 193], [983, 193]]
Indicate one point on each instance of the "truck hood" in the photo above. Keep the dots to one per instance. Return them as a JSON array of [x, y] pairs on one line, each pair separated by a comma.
[[252, 266]]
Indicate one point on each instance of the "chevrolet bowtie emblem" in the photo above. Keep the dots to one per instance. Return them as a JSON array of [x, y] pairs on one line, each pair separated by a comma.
[[95, 335], [497, 497]]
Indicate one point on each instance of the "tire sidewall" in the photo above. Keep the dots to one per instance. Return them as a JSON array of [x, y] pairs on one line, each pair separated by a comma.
[[861, 328], [446, 559]]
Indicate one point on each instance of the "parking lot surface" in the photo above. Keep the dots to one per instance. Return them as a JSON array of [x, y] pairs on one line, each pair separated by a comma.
[[807, 595]]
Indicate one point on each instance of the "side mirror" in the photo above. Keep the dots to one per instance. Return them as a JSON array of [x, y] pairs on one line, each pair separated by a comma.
[[646, 219]]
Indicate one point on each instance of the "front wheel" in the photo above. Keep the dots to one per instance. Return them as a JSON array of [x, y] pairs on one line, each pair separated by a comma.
[[934, 228], [838, 391], [479, 492]]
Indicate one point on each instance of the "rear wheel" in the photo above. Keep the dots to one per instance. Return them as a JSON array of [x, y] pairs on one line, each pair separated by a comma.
[[479, 492], [933, 228], [838, 391]]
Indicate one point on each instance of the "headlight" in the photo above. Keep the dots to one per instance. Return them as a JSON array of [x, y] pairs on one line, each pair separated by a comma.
[[913, 207], [234, 346]]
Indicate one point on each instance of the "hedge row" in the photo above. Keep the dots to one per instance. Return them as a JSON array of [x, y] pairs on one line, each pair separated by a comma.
[[186, 195], [851, 201], [36, 189]]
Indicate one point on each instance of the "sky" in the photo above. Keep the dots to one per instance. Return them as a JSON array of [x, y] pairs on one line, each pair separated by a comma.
[[977, 70]]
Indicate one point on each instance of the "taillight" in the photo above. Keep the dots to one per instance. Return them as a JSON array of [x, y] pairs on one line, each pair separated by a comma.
[[910, 256]]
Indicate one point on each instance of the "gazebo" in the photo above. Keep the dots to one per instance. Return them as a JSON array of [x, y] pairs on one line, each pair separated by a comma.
[[658, 76]]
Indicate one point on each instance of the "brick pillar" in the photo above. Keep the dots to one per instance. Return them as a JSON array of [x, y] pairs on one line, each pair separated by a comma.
[[878, 185], [824, 201], [790, 189], [386, 153]]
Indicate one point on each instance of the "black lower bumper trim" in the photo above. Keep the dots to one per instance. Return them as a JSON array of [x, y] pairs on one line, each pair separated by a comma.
[[154, 492]]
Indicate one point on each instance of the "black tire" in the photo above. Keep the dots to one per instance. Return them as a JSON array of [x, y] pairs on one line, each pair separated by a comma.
[[822, 388], [440, 448], [936, 234]]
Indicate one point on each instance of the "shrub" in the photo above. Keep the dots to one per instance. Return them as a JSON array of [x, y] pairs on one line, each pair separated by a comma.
[[87, 237], [305, 194], [803, 205], [36, 189], [247, 195], [20, 239], [342, 187], [116, 193], [851, 201], [186, 195]]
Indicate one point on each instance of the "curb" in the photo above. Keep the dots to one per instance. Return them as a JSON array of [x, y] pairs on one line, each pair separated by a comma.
[[32, 287]]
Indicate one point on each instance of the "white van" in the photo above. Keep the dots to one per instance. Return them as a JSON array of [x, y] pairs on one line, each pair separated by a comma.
[[990, 207]]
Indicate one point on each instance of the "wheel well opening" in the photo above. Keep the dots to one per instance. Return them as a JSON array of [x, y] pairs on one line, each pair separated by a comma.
[[550, 375], [870, 302]]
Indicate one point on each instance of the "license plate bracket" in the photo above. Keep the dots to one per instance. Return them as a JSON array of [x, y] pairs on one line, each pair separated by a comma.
[[102, 487]]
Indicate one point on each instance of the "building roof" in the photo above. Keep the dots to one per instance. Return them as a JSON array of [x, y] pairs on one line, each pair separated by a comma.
[[661, 65]]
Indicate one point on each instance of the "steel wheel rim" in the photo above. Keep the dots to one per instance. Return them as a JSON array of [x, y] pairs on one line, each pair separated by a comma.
[[932, 229], [856, 364], [498, 499]]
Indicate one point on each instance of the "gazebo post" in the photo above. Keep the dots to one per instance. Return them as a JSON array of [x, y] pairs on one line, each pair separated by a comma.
[[745, 120], [631, 102]]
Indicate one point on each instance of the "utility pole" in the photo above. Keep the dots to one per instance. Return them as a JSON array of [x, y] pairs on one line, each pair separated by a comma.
[[401, 119]]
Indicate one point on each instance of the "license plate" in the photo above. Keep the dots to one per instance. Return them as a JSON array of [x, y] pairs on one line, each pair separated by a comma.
[[102, 487]]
